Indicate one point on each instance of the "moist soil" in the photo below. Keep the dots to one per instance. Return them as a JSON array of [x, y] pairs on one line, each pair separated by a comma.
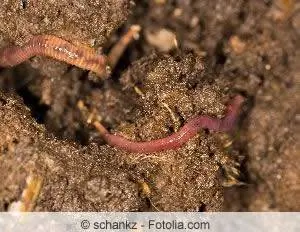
[[191, 58]]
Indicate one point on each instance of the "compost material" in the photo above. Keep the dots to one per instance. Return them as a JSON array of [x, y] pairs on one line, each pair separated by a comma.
[[191, 58]]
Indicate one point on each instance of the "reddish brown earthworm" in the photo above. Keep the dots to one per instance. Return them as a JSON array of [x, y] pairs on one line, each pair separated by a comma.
[[119, 48], [176, 140], [57, 48]]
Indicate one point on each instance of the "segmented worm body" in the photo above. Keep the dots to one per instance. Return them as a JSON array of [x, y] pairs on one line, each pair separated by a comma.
[[54, 47], [176, 140]]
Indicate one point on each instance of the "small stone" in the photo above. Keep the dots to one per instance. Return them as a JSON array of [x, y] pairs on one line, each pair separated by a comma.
[[163, 39]]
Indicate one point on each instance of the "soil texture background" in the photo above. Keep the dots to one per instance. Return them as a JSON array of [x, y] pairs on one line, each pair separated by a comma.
[[191, 58]]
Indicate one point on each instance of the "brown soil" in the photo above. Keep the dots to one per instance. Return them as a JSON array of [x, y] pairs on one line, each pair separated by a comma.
[[223, 48]]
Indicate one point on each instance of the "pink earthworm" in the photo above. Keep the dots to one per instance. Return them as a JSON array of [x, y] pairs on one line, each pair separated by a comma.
[[57, 48], [176, 140]]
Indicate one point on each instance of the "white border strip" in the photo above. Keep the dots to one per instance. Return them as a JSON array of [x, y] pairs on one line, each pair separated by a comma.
[[217, 222]]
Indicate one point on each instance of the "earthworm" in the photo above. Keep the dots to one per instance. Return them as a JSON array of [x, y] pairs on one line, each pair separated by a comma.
[[176, 140], [119, 48], [57, 48]]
